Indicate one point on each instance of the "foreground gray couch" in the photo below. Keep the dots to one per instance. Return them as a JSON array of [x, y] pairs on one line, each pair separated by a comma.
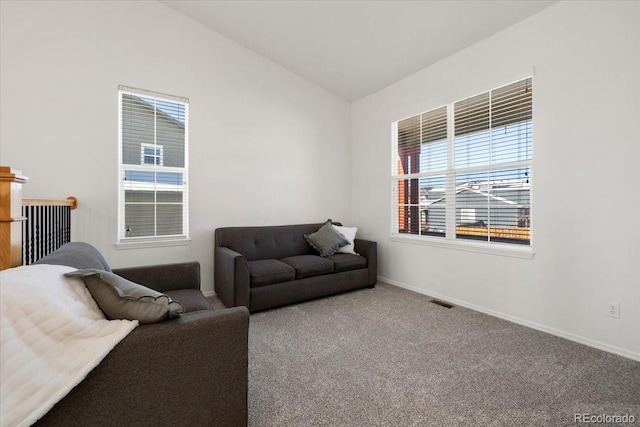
[[190, 371], [247, 261]]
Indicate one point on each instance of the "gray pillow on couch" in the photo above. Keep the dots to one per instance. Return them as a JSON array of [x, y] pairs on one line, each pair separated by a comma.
[[120, 298], [326, 240]]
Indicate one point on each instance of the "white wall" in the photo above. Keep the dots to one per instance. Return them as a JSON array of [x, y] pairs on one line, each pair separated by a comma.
[[266, 146], [586, 187]]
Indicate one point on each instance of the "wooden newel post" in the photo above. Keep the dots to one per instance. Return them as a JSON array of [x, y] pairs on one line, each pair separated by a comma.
[[11, 218]]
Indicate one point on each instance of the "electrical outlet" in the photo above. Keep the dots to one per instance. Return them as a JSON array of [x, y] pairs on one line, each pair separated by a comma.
[[613, 309]]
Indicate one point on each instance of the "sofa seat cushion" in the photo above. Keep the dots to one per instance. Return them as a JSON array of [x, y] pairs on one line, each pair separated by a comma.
[[309, 265], [191, 299], [269, 271], [346, 262]]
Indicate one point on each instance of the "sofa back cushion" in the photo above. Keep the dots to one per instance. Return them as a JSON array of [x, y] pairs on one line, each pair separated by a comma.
[[267, 242]]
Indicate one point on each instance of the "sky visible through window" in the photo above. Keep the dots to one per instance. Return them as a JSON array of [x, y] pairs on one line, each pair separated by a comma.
[[503, 145], [480, 148]]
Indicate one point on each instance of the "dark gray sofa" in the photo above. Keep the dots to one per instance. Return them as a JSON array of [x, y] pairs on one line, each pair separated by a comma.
[[188, 371], [270, 266]]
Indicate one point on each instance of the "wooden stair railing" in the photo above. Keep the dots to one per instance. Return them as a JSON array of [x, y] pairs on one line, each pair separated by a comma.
[[30, 228]]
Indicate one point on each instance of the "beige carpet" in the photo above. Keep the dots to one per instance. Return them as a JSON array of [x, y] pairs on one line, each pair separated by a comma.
[[389, 357]]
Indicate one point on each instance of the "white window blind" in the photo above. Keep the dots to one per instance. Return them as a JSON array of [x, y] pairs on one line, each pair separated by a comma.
[[153, 152], [421, 167], [463, 171]]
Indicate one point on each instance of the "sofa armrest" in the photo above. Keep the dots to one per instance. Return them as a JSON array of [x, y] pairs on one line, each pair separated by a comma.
[[231, 273], [369, 250], [188, 371], [164, 277]]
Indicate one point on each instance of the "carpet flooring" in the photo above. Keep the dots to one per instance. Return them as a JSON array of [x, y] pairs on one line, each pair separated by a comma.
[[389, 357]]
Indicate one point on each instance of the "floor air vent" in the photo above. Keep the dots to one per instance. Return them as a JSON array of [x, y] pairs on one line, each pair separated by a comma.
[[441, 303]]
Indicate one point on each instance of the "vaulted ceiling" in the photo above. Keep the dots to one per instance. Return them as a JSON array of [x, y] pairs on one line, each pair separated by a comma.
[[355, 48]]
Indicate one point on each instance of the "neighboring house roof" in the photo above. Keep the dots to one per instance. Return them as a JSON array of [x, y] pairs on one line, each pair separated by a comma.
[[483, 188], [160, 114]]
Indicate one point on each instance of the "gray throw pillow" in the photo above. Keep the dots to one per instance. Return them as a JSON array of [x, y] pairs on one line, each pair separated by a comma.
[[120, 298], [326, 240]]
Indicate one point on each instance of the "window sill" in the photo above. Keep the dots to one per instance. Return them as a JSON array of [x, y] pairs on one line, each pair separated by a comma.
[[152, 243], [502, 249]]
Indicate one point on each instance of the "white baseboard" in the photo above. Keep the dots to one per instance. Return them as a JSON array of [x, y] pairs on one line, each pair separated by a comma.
[[209, 293], [562, 334]]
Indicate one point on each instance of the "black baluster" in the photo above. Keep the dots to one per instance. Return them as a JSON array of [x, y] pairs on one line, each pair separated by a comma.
[[58, 226], [47, 230], [31, 234], [38, 233]]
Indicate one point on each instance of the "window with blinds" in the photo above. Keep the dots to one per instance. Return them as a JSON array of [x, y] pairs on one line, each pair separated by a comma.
[[153, 142], [421, 167], [463, 171]]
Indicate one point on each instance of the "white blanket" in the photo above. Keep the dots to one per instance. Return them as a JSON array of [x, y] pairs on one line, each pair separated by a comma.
[[52, 334]]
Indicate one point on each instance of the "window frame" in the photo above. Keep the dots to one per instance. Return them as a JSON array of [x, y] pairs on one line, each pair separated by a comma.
[[127, 242], [449, 240]]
